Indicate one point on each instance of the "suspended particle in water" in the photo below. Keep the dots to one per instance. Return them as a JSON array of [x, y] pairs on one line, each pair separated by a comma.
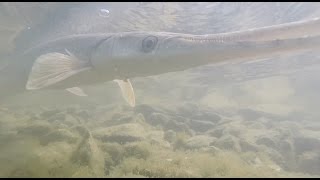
[[104, 13], [28, 27]]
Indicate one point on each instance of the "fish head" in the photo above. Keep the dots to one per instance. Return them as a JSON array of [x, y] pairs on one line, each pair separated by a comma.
[[125, 54], [136, 54]]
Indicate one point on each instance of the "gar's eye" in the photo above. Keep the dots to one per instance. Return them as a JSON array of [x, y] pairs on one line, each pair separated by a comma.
[[149, 43]]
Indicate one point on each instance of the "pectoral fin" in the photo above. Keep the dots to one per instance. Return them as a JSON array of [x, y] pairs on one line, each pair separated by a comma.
[[127, 91], [77, 91], [51, 68]]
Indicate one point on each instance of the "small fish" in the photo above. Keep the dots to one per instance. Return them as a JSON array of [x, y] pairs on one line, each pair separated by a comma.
[[74, 61]]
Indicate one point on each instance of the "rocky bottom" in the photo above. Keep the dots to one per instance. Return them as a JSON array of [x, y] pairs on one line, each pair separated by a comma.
[[154, 141]]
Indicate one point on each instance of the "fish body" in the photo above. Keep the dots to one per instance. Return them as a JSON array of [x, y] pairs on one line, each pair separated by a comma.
[[77, 60]]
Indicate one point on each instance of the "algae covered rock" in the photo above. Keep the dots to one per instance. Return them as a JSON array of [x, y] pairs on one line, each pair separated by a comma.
[[83, 114], [177, 126], [305, 143], [216, 132], [209, 116], [146, 110], [188, 109], [228, 142], [156, 137], [199, 141], [89, 154], [201, 126], [170, 136], [81, 130], [121, 133], [113, 150], [309, 162], [36, 128], [285, 146], [49, 113], [59, 135], [119, 118], [247, 146], [70, 120], [267, 141], [257, 125], [158, 119], [250, 114], [138, 150], [54, 160]]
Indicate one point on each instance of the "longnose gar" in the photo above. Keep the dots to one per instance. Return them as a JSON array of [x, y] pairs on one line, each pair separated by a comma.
[[77, 60]]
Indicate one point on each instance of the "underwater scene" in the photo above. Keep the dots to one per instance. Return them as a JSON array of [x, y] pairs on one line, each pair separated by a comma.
[[160, 89]]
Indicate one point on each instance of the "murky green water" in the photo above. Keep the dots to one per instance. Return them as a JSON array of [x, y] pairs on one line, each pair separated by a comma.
[[256, 119]]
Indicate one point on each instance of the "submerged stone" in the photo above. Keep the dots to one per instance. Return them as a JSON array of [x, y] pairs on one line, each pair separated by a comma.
[[59, 135], [199, 141], [228, 142], [121, 133]]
